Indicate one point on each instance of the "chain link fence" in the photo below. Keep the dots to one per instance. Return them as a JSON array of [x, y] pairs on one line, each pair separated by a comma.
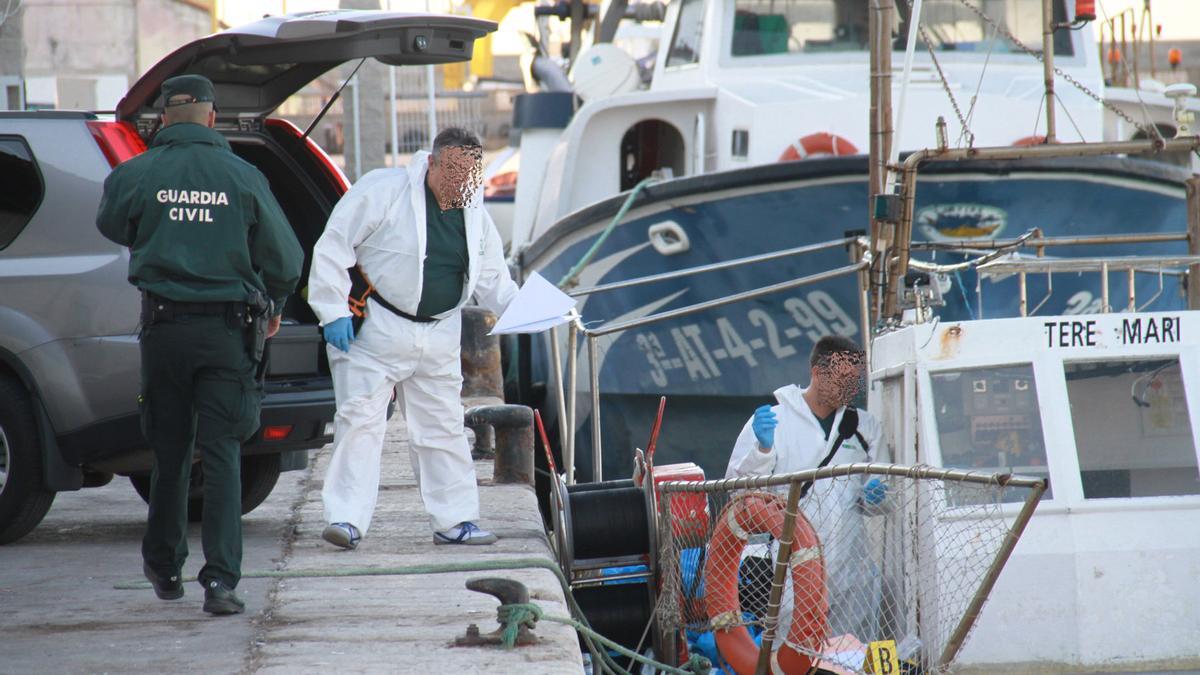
[[875, 553]]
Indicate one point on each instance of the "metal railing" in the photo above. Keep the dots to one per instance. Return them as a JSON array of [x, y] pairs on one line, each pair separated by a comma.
[[894, 238], [795, 483], [712, 267], [567, 399], [1131, 265]]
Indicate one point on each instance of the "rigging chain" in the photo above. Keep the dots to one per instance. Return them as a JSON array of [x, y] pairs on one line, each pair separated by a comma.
[[1057, 71], [966, 128]]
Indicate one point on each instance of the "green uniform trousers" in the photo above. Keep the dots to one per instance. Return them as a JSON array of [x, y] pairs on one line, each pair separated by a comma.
[[198, 391]]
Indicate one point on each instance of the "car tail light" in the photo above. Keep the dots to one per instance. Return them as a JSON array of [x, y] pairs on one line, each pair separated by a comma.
[[277, 433], [332, 169], [118, 141]]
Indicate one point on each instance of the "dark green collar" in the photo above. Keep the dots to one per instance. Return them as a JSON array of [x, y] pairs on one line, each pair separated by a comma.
[[184, 132]]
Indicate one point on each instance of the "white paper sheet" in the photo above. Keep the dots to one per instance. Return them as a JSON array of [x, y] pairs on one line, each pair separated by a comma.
[[538, 306]]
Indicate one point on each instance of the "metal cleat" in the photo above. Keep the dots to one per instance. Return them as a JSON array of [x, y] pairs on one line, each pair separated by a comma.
[[508, 592]]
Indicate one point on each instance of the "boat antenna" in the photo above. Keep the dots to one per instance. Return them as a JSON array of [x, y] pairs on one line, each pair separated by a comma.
[[312, 125]]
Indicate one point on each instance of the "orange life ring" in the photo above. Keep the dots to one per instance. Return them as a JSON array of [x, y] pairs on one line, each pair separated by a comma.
[[1029, 141], [820, 144], [763, 514]]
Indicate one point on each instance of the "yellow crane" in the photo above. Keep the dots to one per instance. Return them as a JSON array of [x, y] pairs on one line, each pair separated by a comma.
[[455, 74]]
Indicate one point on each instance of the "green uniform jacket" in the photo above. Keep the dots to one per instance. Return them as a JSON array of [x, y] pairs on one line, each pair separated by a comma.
[[201, 223]]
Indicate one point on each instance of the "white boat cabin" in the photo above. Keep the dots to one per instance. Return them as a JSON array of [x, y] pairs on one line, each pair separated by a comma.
[[1104, 405]]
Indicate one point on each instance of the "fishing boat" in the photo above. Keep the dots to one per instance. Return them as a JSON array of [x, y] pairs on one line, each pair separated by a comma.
[[749, 143]]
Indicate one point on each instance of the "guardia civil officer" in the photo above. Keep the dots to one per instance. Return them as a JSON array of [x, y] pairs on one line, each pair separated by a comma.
[[215, 260]]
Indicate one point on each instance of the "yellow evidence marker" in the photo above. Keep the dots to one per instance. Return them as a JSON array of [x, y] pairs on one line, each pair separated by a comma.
[[882, 658]]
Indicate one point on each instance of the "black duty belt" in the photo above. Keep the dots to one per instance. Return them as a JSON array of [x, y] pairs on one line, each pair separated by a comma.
[[177, 307]]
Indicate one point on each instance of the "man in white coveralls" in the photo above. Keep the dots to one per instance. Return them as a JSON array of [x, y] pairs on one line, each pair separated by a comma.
[[798, 434], [424, 245]]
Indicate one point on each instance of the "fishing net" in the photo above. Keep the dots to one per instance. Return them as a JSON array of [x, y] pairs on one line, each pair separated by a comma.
[[877, 557]]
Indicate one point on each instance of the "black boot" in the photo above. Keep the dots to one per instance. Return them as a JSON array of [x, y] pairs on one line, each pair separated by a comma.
[[165, 587], [221, 599]]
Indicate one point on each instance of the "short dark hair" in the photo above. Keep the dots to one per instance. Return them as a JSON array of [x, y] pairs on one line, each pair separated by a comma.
[[455, 137], [829, 345]]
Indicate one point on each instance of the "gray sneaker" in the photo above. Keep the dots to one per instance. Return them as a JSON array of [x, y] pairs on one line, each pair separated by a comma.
[[465, 533], [342, 534]]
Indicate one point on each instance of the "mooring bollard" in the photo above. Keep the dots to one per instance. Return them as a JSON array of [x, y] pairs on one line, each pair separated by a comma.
[[483, 381], [482, 377], [514, 439]]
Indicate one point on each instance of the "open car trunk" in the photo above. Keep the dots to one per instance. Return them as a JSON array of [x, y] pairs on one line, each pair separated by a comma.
[[256, 67], [307, 186]]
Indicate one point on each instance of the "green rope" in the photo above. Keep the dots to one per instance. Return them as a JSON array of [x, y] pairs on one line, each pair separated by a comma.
[[696, 665], [514, 616], [569, 279]]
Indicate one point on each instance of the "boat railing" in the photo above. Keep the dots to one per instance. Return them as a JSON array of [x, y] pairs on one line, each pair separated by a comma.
[[576, 328], [1131, 265], [891, 234], [1010, 263], [723, 265]]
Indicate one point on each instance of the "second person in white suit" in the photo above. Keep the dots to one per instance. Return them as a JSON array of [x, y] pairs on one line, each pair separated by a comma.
[[423, 240], [800, 433]]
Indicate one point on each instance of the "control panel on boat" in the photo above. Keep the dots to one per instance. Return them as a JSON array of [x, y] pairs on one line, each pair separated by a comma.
[[988, 417]]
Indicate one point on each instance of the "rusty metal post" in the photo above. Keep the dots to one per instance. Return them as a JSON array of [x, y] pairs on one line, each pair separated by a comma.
[[481, 372], [514, 440], [1048, 66], [786, 538], [1193, 210], [483, 381], [881, 131]]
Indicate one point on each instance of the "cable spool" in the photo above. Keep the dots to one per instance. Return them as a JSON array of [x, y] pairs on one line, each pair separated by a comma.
[[619, 611], [603, 524], [608, 523]]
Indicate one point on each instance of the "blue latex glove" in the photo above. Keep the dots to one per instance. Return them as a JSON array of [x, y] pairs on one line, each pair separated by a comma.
[[340, 333], [874, 492], [764, 426]]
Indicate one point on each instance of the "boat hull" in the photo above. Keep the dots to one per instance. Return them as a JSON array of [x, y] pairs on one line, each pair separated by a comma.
[[715, 366]]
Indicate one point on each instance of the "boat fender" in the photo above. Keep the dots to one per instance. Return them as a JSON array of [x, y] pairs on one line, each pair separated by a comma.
[[820, 144], [764, 514]]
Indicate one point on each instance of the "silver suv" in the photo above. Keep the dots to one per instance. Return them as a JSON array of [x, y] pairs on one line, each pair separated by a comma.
[[69, 362]]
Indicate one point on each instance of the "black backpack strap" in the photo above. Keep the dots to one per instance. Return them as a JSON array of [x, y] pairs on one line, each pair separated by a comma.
[[837, 445]]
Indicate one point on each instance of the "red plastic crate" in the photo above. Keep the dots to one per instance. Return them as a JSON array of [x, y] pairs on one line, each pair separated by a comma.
[[689, 511]]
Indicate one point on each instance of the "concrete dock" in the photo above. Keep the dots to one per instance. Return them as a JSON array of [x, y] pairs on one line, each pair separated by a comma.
[[61, 612]]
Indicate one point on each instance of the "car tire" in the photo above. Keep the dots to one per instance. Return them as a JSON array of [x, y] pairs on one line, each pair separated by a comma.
[[24, 500], [259, 475]]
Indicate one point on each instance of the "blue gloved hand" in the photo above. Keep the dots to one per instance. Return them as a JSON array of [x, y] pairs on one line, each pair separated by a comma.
[[340, 333], [764, 426], [874, 492]]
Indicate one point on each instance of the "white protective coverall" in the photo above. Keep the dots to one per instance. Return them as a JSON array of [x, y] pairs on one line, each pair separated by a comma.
[[380, 225], [833, 507]]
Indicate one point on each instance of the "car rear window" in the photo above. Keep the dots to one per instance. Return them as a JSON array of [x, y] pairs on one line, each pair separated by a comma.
[[21, 190]]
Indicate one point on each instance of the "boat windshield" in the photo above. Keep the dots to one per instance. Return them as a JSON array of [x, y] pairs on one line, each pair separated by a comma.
[[776, 27]]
